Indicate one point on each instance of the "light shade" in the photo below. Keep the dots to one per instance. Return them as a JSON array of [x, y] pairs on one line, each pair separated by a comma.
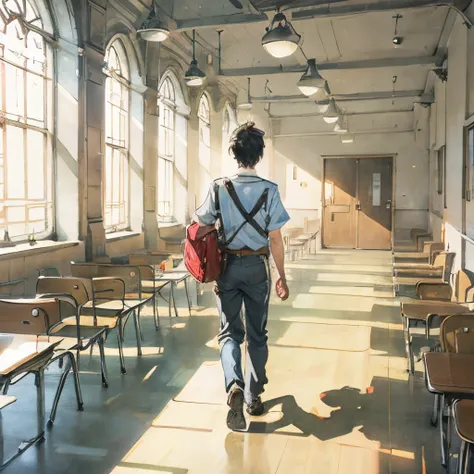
[[347, 138], [281, 39], [311, 81], [153, 29], [333, 112], [245, 106], [340, 127], [194, 77], [156, 35]]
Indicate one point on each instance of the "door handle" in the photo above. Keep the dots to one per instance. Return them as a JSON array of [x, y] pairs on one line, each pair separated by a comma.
[[332, 216], [358, 207], [388, 204]]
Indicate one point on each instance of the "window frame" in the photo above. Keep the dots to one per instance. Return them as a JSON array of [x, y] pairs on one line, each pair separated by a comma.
[[468, 165], [122, 146], [29, 67], [167, 105], [204, 166]]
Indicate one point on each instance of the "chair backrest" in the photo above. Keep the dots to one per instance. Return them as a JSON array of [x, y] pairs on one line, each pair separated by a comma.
[[29, 316], [130, 274], [77, 288], [457, 334], [464, 284], [106, 289], [445, 260]]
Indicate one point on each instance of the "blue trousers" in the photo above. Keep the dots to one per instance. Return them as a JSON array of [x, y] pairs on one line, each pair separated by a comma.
[[245, 283]]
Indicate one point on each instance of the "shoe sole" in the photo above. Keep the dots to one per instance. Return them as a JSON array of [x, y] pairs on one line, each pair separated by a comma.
[[235, 417]]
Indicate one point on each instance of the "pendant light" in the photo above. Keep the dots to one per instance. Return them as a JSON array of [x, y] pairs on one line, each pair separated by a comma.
[[347, 138], [311, 81], [194, 77], [340, 127], [246, 105], [333, 112], [281, 39], [153, 29]]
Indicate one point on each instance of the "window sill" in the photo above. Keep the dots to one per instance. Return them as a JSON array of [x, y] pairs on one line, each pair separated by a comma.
[[116, 236], [42, 246], [165, 225]]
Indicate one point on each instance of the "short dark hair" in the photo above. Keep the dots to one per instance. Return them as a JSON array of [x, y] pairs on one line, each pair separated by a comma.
[[247, 145]]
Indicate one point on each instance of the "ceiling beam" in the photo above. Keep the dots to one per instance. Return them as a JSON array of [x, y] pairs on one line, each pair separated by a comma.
[[352, 114], [220, 21], [380, 6], [337, 66], [346, 97]]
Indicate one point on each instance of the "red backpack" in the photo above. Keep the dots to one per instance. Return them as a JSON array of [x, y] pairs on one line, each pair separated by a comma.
[[204, 247], [202, 255]]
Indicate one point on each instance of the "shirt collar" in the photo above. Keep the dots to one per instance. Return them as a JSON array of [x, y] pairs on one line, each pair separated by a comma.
[[246, 172]]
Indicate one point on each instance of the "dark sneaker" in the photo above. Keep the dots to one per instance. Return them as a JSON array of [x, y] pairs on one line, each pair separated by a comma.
[[235, 417], [256, 407]]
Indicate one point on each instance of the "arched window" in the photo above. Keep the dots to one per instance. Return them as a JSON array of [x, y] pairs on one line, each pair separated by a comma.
[[204, 147], [166, 148], [229, 125], [26, 171], [116, 172]]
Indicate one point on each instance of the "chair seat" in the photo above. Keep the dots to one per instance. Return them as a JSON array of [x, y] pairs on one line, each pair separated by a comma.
[[66, 330], [6, 400], [464, 416], [88, 321]]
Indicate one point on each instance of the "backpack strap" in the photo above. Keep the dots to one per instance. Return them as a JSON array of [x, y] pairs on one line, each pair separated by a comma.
[[248, 216], [219, 222]]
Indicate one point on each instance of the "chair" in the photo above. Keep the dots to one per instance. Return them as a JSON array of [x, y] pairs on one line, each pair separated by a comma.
[[89, 295], [445, 260], [429, 314], [131, 276], [36, 317], [456, 336], [463, 412]]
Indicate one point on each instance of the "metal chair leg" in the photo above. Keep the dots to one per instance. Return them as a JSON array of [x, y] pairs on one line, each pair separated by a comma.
[[70, 364], [463, 459], [174, 300], [157, 311], [139, 323], [103, 366], [435, 415], [187, 295], [137, 331], [59, 391], [120, 349]]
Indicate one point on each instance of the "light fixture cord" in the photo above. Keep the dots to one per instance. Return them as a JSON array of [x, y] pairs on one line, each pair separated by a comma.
[[194, 45], [248, 89]]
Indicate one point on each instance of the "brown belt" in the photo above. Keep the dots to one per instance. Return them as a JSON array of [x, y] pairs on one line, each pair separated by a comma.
[[248, 252]]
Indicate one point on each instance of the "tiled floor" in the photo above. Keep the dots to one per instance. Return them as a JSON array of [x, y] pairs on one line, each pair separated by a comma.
[[339, 398]]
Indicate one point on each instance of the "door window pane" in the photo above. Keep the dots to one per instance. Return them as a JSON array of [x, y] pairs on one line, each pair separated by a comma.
[[376, 189]]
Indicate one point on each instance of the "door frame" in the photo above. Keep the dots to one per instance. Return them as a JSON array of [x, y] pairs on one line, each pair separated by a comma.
[[393, 156]]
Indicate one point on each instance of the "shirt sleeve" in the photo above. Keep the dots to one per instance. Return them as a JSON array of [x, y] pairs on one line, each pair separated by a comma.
[[206, 214], [277, 212]]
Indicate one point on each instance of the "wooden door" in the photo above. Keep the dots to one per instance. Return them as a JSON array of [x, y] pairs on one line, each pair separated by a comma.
[[357, 208], [374, 206], [340, 188]]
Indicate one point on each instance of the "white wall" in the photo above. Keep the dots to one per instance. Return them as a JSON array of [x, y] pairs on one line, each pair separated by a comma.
[[453, 107], [307, 152]]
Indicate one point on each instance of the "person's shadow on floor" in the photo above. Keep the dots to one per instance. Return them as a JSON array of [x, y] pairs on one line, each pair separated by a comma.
[[350, 412]]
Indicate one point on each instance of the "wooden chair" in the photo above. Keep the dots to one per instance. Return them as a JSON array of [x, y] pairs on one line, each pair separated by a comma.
[[457, 337], [439, 301], [43, 317], [134, 297], [90, 296], [463, 413]]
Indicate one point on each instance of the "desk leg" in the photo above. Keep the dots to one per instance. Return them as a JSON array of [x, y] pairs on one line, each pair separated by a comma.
[[40, 407], [187, 295], [137, 330], [40, 402], [174, 300]]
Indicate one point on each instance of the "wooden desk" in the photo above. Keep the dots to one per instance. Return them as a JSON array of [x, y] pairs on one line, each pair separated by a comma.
[[20, 354]]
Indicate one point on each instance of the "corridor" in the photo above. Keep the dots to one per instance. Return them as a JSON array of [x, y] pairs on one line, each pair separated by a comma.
[[339, 399]]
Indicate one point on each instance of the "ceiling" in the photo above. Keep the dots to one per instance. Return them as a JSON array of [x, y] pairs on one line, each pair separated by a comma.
[[334, 40]]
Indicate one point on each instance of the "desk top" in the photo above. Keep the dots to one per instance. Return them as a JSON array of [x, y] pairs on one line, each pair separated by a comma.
[[173, 276], [450, 373], [421, 310], [22, 350]]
